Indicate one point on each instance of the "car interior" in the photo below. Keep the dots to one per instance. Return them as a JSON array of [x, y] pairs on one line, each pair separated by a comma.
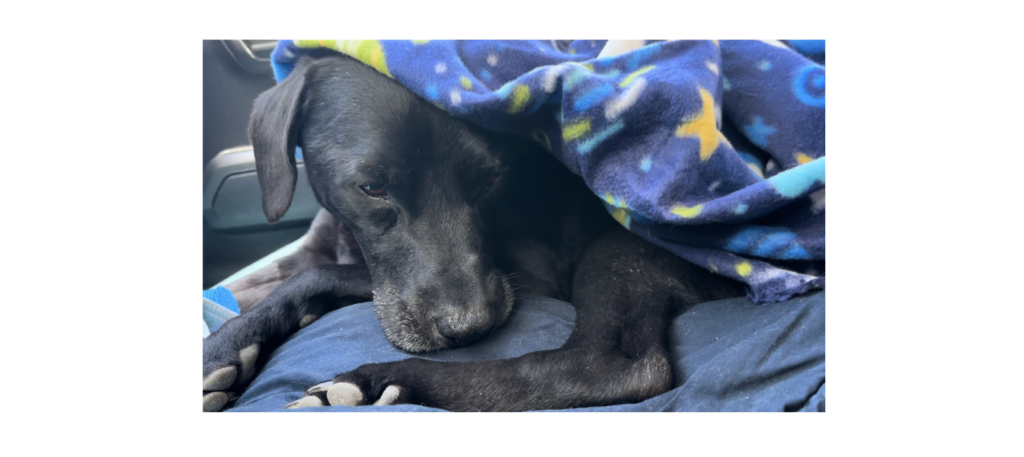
[[235, 230]]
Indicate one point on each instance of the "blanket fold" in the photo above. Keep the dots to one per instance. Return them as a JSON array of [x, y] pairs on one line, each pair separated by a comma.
[[714, 150]]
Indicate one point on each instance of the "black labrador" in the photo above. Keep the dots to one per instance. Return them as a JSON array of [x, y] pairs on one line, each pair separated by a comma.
[[451, 219]]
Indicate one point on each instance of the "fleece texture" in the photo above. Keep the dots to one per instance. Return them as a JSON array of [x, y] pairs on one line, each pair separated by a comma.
[[713, 150]]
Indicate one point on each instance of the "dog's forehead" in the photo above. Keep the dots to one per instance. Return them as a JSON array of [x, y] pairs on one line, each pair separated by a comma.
[[370, 127], [422, 144]]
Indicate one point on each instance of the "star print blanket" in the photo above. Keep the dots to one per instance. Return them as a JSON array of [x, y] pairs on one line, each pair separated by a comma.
[[714, 150]]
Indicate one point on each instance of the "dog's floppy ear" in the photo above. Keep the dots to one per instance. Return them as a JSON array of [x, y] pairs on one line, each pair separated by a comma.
[[273, 131]]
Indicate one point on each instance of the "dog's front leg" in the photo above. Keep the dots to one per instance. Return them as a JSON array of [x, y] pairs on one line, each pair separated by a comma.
[[557, 379], [230, 354]]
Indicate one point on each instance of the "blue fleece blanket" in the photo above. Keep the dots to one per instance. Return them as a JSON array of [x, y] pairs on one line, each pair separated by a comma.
[[714, 150]]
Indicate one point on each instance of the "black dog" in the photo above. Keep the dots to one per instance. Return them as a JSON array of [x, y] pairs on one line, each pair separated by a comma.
[[450, 220]]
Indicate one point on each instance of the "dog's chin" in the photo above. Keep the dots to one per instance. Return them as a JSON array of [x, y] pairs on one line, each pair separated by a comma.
[[414, 342], [405, 332]]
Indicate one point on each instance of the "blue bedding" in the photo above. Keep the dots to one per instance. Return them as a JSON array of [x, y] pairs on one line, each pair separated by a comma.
[[729, 355]]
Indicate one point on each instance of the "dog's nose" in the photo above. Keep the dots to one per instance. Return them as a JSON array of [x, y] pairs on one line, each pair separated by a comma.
[[463, 330]]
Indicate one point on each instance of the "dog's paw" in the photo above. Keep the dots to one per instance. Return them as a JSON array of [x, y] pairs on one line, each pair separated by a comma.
[[352, 389], [225, 370]]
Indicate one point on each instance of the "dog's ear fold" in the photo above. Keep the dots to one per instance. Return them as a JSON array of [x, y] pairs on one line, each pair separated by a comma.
[[273, 131]]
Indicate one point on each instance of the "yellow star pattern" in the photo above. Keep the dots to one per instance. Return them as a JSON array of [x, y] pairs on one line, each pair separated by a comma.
[[623, 217], [744, 269], [703, 126], [687, 211]]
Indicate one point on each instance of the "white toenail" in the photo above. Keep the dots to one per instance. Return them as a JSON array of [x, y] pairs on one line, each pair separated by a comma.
[[344, 393], [389, 396], [248, 356], [220, 379], [307, 319], [323, 386], [304, 402], [214, 401]]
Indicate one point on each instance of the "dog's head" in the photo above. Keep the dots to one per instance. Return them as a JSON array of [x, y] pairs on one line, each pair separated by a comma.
[[409, 181]]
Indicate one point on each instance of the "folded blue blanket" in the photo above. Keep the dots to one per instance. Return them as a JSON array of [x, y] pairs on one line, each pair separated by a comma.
[[714, 150]]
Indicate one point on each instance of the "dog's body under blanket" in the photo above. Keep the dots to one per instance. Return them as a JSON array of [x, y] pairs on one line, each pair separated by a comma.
[[714, 150]]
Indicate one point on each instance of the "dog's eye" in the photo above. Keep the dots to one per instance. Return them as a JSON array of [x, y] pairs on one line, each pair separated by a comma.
[[374, 190], [489, 182]]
